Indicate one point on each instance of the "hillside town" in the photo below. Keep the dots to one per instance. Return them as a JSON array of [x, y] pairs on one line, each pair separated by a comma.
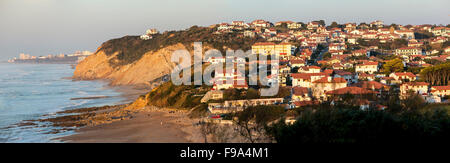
[[76, 57], [320, 63]]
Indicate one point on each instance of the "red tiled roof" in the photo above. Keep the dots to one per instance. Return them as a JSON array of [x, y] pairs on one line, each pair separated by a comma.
[[334, 80], [415, 83], [300, 90], [446, 87], [369, 84], [306, 75], [297, 61], [368, 63], [405, 74], [350, 90]]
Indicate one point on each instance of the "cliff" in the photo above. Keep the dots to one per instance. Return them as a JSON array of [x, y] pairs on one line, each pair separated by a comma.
[[151, 66]]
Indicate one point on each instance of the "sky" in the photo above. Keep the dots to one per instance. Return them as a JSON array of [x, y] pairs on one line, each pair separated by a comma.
[[42, 27]]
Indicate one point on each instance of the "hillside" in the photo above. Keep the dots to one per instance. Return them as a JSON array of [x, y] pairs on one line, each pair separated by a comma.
[[132, 61]]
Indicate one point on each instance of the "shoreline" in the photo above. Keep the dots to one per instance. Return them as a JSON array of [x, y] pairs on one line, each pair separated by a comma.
[[119, 123]]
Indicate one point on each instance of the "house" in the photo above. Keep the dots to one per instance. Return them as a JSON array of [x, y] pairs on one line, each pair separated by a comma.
[[261, 23], [352, 40], [407, 34], [398, 76], [249, 33], [238, 83], [438, 40], [252, 102], [145, 37], [321, 30], [264, 48], [364, 76], [325, 84], [384, 31], [271, 31], [348, 76], [370, 35], [300, 94], [269, 48], [350, 26], [309, 69], [215, 60], [294, 25], [447, 49], [284, 49], [229, 79], [151, 31], [440, 91], [313, 25], [417, 87], [367, 67], [408, 51], [338, 66], [224, 26], [297, 63], [305, 79], [414, 43], [337, 46], [360, 52], [439, 31], [238, 23]]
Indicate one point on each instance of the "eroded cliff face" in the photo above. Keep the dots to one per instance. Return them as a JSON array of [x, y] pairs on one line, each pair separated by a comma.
[[151, 66]]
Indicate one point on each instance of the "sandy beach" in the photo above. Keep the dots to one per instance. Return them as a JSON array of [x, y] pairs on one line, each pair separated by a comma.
[[147, 126]]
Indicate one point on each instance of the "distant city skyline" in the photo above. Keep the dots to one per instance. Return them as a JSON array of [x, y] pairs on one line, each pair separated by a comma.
[[42, 27]]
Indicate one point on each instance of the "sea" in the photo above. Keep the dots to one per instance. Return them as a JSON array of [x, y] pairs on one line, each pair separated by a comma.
[[35, 91]]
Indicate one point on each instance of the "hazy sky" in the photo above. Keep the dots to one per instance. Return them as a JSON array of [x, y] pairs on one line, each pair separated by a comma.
[[41, 27]]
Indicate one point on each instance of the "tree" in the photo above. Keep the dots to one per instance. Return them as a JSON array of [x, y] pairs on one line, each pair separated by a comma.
[[413, 101], [437, 75], [252, 93], [334, 25], [395, 65], [253, 121], [223, 134], [207, 128], [326, 55]]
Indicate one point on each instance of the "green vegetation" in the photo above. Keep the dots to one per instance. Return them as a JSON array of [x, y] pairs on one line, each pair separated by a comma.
[[395, 65], [326, 55], [423, 35], [182, 96], [437, 75], [328, 124]]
